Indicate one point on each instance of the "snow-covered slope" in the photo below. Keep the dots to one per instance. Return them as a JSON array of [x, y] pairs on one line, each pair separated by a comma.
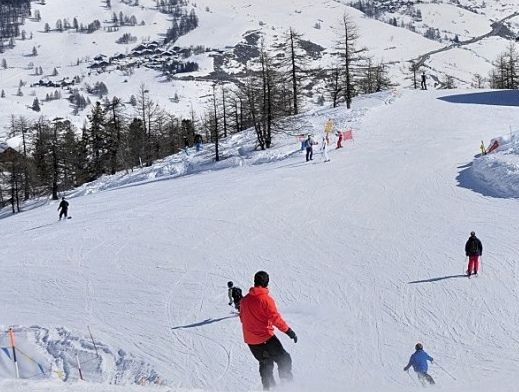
[[365, 255]]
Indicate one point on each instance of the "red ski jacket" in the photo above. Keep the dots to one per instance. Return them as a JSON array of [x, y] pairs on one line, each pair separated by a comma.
[[258, 315]]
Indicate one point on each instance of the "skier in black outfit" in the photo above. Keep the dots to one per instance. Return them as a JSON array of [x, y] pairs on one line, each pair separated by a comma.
[[473, 250], [423, 84], [310, 148], [235, 295], [63, 206]]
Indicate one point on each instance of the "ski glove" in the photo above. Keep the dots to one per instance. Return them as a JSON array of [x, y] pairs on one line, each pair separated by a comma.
[[291, 334]]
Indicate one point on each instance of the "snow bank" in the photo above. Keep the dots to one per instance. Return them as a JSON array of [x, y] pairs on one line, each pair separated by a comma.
[[499, 170], [46, 354]]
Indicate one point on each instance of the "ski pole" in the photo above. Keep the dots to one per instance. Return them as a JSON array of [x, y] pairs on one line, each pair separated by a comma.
[[13, 345], [437, 364], [414, 381]]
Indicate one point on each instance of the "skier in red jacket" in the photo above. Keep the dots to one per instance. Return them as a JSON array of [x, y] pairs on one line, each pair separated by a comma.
[[258, 315]]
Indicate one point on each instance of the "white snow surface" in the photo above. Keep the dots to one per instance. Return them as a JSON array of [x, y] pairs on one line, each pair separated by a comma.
[[365, 255]]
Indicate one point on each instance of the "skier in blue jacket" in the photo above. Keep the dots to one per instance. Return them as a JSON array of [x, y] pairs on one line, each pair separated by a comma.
[[419, 363]]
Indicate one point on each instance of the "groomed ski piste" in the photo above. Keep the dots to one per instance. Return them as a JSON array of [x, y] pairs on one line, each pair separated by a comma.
[[365, 254]]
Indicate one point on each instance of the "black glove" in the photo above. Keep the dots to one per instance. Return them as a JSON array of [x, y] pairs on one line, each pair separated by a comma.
[[291, 334]]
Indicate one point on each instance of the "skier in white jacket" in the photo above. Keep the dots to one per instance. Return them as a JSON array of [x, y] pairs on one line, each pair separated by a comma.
[[324, 149]]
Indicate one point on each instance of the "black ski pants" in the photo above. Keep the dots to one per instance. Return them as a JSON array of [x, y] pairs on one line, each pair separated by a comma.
[[309, 153], [425, 377], [267, 353], [63, 212]]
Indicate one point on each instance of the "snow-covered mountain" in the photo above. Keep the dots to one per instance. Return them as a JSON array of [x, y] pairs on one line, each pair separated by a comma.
[[365, 253], [52, 61]]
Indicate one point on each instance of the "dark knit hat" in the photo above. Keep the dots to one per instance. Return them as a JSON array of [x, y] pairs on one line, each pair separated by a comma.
[[261, 279]]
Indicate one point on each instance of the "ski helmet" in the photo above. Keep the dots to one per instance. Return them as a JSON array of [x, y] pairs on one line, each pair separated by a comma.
[[419, 346], [230, 284], [261, 279], [472, 233]]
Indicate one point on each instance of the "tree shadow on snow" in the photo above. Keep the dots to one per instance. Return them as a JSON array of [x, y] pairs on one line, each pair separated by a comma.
[[466, 180], [437, 279], [498, 98], [205, 322]]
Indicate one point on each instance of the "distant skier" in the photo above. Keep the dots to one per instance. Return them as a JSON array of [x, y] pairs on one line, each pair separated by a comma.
[[186, 145], [302, 139], [198, 142], [473, 249], [235, 295], [423, 83], [419, 363], [324, 149], [310, 148], [258, 315], [339, 140], [63, 206], [483, 148]]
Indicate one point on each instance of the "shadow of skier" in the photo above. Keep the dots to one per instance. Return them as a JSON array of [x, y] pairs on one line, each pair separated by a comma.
[[205, 322], [437, 279]]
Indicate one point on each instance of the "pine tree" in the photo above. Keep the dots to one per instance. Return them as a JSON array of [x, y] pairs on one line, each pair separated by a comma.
[[349, 56], [97, 140], [295, 63], [36, 105]]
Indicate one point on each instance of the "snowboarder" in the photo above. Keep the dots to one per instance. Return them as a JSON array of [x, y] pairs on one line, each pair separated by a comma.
[[235, 295], [423, 84], [324, 149], [473, 249], [339, 141], [198, 142], [419, 363], [309, 148], [63, 206], [258, 314]]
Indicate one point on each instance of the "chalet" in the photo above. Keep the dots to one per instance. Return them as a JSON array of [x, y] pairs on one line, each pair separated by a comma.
[[99, 64], [66, 82], [7, 156], [117, 56], [139, 48]]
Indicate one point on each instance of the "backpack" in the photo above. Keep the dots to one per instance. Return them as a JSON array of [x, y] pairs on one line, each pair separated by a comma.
[[473, 246], [236, 294]]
